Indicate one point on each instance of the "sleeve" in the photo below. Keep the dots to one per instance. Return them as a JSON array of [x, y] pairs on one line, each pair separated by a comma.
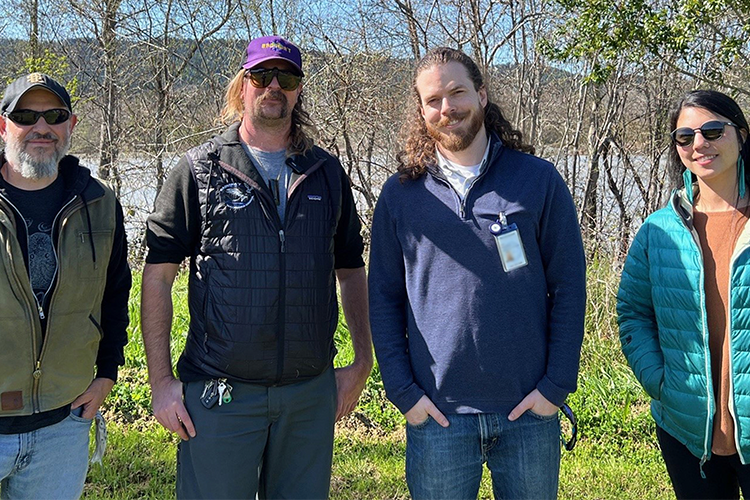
[[173, 230], [639, 334], [347, 242], [564, 263], [388, 310], [114, 317]]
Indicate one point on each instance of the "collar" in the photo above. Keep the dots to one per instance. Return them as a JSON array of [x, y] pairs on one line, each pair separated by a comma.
[[299, 163], [494, 147], [445, 163]]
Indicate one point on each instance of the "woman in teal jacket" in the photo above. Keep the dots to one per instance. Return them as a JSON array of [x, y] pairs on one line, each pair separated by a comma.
[[684, 303]]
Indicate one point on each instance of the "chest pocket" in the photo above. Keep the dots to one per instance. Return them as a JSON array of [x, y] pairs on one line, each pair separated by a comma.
[[315, 205], [93, 260]]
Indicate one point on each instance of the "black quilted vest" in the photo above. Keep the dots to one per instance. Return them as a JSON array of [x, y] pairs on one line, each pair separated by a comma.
[[262, 291]]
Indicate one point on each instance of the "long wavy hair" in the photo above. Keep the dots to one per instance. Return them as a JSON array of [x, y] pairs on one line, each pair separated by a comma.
[[720, 104], [419, 149], [300, 135]]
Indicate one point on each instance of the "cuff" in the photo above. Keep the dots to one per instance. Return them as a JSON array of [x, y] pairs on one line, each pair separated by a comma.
[[554, 393], [407, 398], [107, 371]]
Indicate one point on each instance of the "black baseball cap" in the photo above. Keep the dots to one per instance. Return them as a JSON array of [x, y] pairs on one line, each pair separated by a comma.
[[20, 86]]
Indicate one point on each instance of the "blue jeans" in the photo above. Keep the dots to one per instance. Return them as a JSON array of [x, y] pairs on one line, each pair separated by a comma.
[[523, 456], [49, 463]]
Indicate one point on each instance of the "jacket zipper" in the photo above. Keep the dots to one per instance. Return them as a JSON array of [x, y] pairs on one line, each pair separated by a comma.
[[482, 171], [282, 305], [69, 208], [706, 356], [65, 212], [459, 202]]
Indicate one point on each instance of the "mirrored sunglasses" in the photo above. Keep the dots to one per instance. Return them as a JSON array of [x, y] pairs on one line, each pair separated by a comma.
[[262, 78], [684, 136], [29, 117]]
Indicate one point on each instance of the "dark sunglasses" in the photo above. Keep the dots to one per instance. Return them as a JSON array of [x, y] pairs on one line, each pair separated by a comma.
[[262, 78], [684, 136], [569, 444], [28, 117]]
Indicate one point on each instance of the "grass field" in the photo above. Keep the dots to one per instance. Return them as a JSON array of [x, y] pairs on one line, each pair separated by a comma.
[[616, 456]]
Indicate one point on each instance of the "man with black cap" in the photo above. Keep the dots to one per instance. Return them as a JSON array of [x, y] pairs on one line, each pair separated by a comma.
[[64, 285], [269, 224]]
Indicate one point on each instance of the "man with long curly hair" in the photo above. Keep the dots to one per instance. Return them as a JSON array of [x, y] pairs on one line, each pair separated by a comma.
[[477, 282], [269, 224]]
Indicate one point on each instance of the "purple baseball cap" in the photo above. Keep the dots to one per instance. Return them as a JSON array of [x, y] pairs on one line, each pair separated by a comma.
[[272, 47]]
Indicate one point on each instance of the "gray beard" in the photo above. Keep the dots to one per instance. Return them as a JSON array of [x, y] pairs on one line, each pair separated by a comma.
[[32, 168]]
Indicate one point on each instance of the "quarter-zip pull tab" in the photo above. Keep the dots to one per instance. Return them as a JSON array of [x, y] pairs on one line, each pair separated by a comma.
[[41, 312], [283, 240], [703, 461], [38, 371]]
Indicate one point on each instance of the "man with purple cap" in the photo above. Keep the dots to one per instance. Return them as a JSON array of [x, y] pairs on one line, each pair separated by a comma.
[[269, 224], [64, 286]]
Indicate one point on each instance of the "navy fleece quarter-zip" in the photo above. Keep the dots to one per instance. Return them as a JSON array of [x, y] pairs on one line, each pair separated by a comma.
[[447, 320]]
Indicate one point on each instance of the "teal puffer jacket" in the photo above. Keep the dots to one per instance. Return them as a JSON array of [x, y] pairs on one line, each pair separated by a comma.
[[661, 310]]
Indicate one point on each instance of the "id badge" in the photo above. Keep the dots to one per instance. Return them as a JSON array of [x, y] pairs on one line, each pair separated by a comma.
[[509, 244]]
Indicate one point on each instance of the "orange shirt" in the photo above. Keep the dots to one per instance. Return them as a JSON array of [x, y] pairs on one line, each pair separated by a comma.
[[718, 233]]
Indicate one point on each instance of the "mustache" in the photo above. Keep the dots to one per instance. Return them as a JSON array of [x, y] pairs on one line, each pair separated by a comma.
[[36, 135], [449, 118], [274, 94]]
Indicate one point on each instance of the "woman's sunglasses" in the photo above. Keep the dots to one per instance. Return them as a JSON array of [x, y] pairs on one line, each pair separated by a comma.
[[262, 78], [28, 117], [684, 136]]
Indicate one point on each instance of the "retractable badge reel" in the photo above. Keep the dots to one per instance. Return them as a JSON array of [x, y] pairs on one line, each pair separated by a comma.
[[509, 244]]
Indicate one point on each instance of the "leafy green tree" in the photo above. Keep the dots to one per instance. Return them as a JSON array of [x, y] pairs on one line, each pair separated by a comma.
[[53, 64]]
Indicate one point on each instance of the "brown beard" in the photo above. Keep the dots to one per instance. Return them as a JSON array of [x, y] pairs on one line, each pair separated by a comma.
[[460, 139]]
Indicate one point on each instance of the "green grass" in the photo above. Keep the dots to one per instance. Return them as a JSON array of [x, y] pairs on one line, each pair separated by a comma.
[[616, 457]]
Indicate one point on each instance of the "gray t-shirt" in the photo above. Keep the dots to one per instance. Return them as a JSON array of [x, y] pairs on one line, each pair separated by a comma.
[[274, 170]]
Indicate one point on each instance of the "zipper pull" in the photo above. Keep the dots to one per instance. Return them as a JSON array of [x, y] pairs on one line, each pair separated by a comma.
[[38, 371], [41, 312], [283, 240]]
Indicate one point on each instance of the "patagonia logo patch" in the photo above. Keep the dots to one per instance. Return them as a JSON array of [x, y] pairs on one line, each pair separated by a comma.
[[236, 195], [11, 400], [314, 197]]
